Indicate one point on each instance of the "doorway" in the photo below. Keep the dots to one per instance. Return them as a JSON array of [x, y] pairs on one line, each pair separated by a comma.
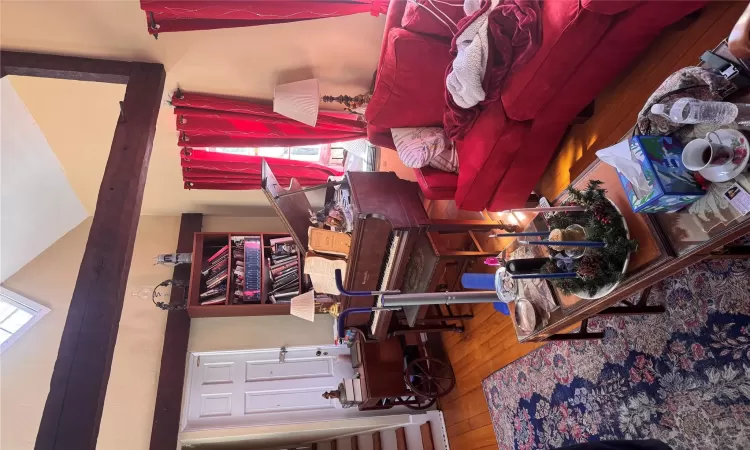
[[265, 387]]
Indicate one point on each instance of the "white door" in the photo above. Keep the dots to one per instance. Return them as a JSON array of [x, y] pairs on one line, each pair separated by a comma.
[[262, 387]]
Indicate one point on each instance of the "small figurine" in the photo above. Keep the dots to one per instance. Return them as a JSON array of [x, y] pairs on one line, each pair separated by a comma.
[[331, 394]]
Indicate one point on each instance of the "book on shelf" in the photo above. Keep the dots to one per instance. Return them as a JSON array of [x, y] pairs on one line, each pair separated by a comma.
[[284, 300], [220, 290], [221, 252], [214, 270], [277, 262], [217, 264], [292, 284], [281, 240], [216, 280], [217, 300], [287, 287], [284, 267], [287, 249], [286, 294], [286, 273], [328, 242], [281, 281], [252, 278]]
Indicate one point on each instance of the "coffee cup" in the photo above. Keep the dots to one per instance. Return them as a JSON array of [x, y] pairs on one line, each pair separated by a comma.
[[700, 153]]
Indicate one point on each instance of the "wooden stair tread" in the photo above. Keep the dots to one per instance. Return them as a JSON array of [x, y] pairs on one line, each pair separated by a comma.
[[426, 431], [400, 439]]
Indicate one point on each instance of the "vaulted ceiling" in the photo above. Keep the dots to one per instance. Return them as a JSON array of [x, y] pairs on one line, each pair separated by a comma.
[[248, 62]]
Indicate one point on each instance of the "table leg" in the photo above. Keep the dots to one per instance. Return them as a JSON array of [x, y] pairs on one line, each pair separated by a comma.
[[445, 318], [581, 335], [641, 307], [427, 329]]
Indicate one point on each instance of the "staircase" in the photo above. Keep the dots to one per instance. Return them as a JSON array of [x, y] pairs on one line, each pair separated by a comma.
[[425, 434]]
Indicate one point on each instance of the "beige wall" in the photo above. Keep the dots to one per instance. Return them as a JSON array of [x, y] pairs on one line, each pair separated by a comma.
[[128, 411], [27, 366], [78, 118]]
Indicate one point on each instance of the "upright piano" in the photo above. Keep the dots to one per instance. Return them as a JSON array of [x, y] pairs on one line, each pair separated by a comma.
[[389, 217]]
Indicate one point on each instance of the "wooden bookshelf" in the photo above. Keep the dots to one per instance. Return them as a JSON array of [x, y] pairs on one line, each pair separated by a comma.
[[206, 244]]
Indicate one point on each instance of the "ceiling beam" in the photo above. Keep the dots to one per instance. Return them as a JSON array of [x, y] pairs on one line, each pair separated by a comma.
[[168, 405], [78, 387], [64, 67]]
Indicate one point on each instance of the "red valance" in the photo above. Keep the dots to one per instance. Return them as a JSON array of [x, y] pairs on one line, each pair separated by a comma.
[[165, 16]]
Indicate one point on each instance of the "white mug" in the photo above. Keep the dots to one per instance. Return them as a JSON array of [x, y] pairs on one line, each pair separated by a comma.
[[701, 153]]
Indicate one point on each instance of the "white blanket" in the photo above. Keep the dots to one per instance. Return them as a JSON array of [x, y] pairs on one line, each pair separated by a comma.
[[464, 82]]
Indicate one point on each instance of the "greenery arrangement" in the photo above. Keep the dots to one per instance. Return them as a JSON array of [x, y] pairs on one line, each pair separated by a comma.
[[601, 266]]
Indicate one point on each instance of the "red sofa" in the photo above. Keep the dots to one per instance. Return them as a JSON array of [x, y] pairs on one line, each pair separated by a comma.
[[585, 45]]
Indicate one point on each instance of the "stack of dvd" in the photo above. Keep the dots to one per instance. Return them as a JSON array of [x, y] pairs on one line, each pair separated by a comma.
[[284, 267], [246, 259], [216, 276]]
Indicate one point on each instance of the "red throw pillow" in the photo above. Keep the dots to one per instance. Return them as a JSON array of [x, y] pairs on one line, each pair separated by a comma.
[[410, 85], [438, 18]]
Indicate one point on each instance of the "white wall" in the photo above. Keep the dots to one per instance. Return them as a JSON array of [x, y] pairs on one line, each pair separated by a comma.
[[37, 204]]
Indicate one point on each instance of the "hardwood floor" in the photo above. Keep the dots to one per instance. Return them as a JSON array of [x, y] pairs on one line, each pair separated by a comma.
[[489, 342]]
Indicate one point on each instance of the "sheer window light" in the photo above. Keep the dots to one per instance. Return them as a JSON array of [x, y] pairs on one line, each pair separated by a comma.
[[17, 315]]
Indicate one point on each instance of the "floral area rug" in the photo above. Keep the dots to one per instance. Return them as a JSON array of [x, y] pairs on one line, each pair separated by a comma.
[[682, 377]]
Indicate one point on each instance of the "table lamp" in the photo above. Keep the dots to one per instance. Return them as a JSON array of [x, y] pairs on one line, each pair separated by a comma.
[[299, 101]]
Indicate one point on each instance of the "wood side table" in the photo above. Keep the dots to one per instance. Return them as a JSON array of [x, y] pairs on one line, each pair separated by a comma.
[[663, 251], [668, 243]]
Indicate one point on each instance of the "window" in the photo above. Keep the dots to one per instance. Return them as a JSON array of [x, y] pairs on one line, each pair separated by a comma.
[[324, 154], [17, 315]]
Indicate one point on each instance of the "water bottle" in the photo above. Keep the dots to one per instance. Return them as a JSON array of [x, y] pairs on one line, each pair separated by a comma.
[[689, 110]]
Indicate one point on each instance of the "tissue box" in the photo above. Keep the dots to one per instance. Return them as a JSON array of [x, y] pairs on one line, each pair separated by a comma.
[[670, 185]]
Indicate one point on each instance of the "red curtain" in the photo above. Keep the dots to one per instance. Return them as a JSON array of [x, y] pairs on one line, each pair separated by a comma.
[[206, 121], [188, 15], [212, 170]]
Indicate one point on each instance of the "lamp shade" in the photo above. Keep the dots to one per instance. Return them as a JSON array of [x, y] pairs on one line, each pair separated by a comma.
[[299, 101]]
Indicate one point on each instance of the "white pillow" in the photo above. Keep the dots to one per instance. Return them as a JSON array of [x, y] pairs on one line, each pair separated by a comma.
[[420, 147]]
